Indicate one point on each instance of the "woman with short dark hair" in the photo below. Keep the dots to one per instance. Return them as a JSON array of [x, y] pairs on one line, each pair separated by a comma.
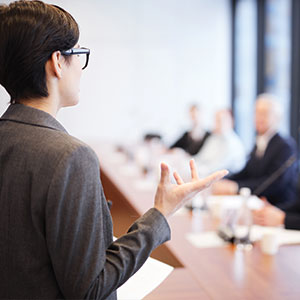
[[28, 39], [56, 228]]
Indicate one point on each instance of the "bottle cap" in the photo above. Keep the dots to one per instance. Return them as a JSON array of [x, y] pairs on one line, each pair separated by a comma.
[[245, 192]]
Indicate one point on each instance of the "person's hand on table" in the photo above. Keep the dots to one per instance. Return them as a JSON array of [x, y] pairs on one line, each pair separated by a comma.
[[225, 187], [269, 215], [170, 197]]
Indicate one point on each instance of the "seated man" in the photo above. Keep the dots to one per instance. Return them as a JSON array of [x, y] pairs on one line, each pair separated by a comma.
[[270, 215], [223, 148], [269, 159], [192, 141]]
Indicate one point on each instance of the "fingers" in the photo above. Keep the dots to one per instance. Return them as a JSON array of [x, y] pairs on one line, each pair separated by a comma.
[[258, 217], [215, 177], [193, 169], [207, 181], [178, 178], [165, 173]]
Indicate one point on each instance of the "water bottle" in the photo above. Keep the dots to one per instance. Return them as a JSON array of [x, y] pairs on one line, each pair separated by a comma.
[[243, 222]]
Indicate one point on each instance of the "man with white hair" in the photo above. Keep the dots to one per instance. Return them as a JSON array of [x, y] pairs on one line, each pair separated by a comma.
[[270, 171]]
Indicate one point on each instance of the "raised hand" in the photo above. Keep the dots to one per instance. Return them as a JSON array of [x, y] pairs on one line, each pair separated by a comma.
[[170, 197]]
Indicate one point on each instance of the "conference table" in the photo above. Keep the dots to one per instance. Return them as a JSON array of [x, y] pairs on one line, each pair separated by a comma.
[[199, 273]]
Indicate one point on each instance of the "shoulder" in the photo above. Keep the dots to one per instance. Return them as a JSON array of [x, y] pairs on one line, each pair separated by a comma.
[[281, 147], [74, 163], [70, 148], [287, 142], [59, 150]]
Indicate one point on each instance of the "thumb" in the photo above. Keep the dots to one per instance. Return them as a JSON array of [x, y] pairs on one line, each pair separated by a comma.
[[165, 173]]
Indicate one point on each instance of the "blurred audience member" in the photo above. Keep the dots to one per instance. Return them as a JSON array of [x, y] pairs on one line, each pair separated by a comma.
[[270, 215], [270, 153], [193, 140], [223, 148]]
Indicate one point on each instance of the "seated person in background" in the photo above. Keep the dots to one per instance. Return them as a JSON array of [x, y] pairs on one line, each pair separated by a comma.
[[270, 215], [223, 147], [270, 152], [193, 140]]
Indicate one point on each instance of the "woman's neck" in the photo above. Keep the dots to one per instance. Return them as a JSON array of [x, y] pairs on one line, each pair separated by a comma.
[[45, 104]]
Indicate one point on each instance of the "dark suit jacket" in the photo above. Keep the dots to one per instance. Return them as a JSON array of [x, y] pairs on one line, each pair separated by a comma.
[[187, 143], [55, 225], [282, 192], [292, 217]]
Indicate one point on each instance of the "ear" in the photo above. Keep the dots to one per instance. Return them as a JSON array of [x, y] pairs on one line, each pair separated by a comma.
[[54, 64]]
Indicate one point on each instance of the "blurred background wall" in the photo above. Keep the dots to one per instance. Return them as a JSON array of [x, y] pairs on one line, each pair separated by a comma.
[[149, 61]]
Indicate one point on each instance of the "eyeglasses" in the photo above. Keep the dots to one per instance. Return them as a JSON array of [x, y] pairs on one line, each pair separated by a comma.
[[77, 51]]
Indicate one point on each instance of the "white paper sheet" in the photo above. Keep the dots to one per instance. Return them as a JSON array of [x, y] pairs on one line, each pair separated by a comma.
[[145, 280], [208, 239], [285, 236]]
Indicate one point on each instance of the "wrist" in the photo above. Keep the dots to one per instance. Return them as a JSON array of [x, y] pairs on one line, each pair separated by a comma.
[[162, 211], [282, 218]]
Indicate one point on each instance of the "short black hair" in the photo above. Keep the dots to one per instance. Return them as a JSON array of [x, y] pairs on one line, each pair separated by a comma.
[[30, 31]]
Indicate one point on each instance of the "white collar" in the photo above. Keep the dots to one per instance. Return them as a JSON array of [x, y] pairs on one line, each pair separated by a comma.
[[262, 141]]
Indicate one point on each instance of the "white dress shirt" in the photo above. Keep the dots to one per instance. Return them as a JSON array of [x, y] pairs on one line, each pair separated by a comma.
[[262, 142], [221, 151]]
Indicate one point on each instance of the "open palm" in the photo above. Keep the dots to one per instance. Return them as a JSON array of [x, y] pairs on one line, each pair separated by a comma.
[[170, 197]]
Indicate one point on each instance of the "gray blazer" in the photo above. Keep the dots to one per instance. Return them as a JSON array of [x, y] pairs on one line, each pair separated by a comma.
[[55, 225]]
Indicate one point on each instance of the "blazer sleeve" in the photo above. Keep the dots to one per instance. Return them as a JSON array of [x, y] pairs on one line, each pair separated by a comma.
[[79, 233], [292, 220], [292, 216]]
